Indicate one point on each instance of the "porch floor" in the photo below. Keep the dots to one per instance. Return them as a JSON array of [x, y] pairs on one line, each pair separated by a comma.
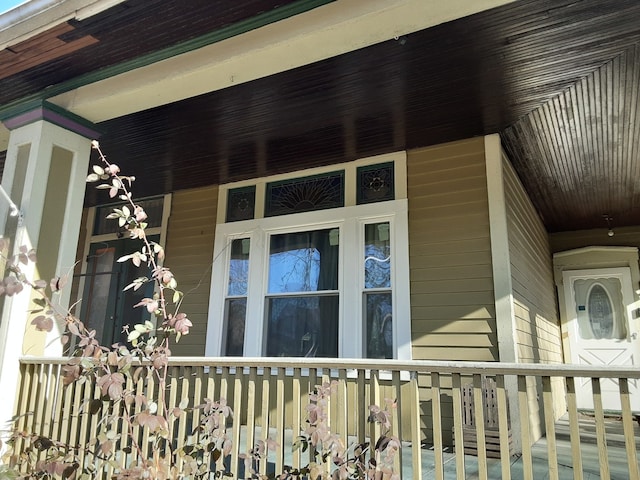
[[618, 466]]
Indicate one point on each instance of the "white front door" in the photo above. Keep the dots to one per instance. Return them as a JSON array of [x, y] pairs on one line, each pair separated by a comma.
[[602, 329]]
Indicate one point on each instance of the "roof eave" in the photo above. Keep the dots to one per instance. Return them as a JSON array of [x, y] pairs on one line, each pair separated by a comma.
[[36, 16]]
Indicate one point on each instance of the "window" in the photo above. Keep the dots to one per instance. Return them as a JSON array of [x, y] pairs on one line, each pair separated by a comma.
[[102, 301], [316, 271]]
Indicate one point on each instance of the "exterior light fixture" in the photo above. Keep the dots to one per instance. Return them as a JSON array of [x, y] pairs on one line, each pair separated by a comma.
[[609, 219]]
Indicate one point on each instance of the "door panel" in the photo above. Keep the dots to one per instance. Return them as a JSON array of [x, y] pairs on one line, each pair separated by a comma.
[[602, 330]]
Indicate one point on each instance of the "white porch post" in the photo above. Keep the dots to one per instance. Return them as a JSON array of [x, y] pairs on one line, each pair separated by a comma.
[[502, 284], [44, 174]]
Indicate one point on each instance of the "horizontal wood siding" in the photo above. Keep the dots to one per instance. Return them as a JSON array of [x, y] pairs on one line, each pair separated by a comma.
[[452, 304], [189, 254], [452, 301], [534, 298], [623, 237], [535, 302]]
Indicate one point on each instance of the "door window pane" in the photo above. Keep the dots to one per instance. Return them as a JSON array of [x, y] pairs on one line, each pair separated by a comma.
[[99, 278], [600, 310], [108, 308], [302, 326]]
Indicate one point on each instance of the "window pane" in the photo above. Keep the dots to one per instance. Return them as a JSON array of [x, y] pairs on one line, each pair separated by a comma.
[[377, 256], [305, 194], [241, 203], [375, 183], [99, 276], [303, 261], [236, 310], [239, 267], [302, 326], [379, 320]]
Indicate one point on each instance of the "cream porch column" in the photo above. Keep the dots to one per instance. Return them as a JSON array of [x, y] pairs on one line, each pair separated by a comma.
[[44, 174], [502, 283]]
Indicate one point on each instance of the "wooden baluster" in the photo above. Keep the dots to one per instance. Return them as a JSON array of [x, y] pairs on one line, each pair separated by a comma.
[[550, 426], [523, 402], [436, 412], [458, 420]]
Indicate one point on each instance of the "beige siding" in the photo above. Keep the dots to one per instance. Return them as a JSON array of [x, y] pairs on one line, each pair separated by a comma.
[[535, 306], [189, 254], [452, 302], [534, 300], [624, 237]]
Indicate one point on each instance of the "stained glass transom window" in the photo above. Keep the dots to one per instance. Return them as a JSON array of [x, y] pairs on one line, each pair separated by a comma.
[[375, 183], [241, 204], [305, 194]]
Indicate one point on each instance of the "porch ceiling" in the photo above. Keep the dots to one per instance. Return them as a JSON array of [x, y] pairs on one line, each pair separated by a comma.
[[558, 79]]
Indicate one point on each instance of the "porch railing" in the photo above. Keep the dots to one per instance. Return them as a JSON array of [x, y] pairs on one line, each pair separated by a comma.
[[269, 398]]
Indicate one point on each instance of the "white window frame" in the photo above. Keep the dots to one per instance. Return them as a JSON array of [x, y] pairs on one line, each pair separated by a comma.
[[350, 219]]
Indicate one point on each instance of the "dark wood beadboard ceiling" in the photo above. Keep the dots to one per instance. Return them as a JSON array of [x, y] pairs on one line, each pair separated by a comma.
[[558, 79], [578, 153]]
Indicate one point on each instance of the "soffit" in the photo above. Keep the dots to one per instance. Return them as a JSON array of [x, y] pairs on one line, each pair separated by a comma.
[[125, 32], [558, 79]]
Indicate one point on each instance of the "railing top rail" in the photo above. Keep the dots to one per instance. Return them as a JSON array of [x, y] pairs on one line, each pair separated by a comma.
[[418, 366]]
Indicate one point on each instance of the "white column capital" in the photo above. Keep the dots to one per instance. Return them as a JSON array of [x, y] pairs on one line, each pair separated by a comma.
[[41, 110]]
